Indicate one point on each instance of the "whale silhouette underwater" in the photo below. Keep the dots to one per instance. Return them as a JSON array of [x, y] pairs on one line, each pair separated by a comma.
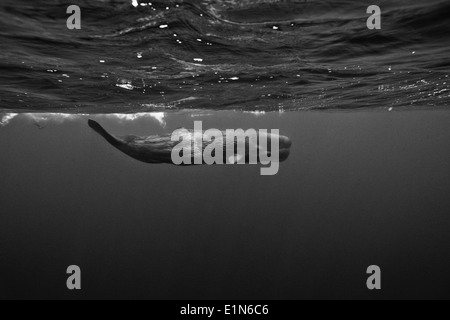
[[158, 149]]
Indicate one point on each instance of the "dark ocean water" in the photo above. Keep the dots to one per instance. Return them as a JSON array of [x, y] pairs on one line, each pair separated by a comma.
[[223, 54], [359, 188]]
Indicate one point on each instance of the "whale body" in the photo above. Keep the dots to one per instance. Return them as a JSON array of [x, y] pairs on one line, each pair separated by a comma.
[[158, 149]]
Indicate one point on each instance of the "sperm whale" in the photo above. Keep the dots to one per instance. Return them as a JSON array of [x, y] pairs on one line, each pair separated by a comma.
[[159, 149]]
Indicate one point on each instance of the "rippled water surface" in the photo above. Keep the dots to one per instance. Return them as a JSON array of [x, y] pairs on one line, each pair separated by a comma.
[[266, 55]]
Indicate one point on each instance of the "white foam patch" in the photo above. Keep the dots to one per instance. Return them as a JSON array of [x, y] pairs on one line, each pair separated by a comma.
[[7, 118], [62, 117], [256, 113], [159, 116]]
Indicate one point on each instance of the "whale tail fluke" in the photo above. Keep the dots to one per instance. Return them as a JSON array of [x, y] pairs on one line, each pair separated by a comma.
[[101, 131]]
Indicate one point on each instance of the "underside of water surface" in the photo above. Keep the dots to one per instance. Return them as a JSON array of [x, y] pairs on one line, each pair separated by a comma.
[[133, 56]]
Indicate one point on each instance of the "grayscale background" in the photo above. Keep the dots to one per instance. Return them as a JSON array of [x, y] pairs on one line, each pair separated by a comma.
[[367, 181]]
